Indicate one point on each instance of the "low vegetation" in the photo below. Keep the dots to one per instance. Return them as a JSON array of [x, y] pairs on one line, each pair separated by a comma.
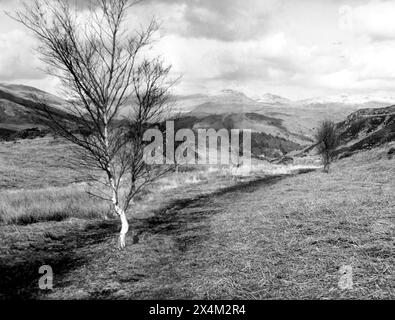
[[326, 141], [35, 164], [38, 185], [50, 204], [202, 235]]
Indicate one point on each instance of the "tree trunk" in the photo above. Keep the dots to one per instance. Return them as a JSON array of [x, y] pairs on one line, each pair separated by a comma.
[[124, 227], [121, 213], [326, 167], [326, 161]]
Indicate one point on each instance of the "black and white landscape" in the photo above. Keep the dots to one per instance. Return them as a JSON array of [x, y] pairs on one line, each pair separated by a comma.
[[299, 202]]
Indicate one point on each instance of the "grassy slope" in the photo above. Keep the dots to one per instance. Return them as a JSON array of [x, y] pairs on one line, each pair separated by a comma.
[[36, 163], [36, 184], [277, 237], [292, 237]]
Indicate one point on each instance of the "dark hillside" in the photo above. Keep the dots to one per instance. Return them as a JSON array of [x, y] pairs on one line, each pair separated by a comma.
[[366, 128]]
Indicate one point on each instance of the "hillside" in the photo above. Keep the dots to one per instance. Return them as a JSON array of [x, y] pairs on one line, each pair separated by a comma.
[[365, 129], [267, 237], [274, 120], [18, 111], [279, 125], [299, 118], [361, 130], [19, 104], [269, 139], [203, 234]]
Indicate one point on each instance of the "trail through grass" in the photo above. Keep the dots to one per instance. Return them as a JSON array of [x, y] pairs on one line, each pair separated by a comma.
[[268, 237]]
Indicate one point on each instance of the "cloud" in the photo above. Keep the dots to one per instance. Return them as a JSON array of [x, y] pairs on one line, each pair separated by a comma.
[[226, 20], [214, 64], [17, 58], [374, 20], [292, 48]]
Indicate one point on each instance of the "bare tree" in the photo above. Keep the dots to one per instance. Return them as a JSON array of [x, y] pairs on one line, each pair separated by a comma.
[[326, 141], [103, 70]]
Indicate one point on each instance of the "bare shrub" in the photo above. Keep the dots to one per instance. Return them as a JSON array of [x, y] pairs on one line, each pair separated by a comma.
[[326, 140]]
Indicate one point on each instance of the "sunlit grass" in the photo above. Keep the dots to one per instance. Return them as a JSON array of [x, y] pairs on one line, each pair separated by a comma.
[[50, 204]]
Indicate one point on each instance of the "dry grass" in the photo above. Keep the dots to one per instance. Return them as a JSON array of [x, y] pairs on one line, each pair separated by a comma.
[[36, 163], [50, 204], [37, 186], [35, 183], [56, 203], [290, 240], [203, 235], [276, 238]]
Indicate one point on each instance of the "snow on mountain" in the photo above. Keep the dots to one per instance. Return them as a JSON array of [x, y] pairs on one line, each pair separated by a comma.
[[231, 96], [231, 92], [272, 99], [228, 99]]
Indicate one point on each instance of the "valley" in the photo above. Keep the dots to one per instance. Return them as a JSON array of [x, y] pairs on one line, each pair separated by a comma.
[[284, 230], [278, 125]]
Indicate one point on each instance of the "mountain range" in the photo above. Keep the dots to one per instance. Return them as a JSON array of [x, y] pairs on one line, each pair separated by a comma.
[[279, 125], [273, 114]]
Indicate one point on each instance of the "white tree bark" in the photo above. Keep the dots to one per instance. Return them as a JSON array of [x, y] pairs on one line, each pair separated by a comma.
[[124, 227], [121, 213]]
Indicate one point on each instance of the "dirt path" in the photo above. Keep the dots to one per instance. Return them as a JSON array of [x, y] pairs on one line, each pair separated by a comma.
[[87, 265]]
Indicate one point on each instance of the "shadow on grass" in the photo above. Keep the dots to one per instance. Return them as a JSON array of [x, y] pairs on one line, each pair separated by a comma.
[[178, 218], [19, 269]]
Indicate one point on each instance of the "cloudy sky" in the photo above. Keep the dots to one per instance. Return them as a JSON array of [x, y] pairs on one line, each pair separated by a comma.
[[298, 49]]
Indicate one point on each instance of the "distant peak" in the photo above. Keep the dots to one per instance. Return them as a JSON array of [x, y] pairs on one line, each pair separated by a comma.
[[232, 92], [271, 95], [273, 98]]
